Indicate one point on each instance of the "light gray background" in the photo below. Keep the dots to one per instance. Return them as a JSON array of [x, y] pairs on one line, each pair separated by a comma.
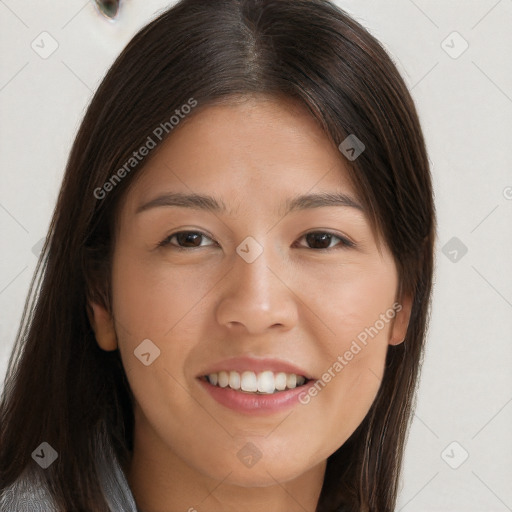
[[465, 105]]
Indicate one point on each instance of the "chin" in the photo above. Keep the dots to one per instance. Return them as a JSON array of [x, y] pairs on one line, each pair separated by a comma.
[[259, 475]]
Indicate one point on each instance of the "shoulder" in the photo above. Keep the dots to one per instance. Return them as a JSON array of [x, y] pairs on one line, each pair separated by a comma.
[[27, 494], [113, 480]]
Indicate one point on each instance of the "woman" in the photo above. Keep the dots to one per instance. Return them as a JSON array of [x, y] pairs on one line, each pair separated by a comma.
[[231, 305]]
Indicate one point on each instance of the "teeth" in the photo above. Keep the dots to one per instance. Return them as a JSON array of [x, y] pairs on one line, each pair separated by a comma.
[[234, 380], [280, 381], [265, 382], [291, 381], [223, 379], [249, 382]]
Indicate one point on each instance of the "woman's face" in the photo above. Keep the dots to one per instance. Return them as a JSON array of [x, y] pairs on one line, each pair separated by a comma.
[[251, 294]]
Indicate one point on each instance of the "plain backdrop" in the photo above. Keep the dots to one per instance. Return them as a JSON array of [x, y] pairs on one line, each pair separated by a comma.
[[455, 58]]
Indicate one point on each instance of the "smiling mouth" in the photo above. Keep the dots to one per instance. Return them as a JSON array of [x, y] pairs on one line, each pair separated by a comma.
[[262, 383]]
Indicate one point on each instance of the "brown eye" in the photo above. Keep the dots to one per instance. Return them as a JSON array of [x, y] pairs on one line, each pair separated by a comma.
[[189, 239], [185, 240], [323, 240]]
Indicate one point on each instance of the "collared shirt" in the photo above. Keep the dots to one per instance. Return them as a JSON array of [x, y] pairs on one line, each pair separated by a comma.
[[29, 493]]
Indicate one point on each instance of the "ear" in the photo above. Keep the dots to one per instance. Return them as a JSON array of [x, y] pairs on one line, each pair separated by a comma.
[[401, 321], [103, 326]]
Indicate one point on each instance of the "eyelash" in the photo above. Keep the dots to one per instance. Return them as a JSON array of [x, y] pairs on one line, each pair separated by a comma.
[[345, 242]]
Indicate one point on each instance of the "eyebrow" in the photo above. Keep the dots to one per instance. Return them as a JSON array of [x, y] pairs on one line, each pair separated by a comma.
[[210, 203]]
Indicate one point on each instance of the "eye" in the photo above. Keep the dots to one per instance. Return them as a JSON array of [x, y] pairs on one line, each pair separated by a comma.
[[320, 240], [185, 240]]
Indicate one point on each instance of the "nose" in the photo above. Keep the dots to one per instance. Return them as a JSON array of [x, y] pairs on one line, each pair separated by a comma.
[[257, 296]]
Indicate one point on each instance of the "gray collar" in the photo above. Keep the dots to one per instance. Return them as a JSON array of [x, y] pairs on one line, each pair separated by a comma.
[[29, 492]]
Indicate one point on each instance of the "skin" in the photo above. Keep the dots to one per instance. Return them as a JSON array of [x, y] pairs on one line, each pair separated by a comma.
[[198, 306]]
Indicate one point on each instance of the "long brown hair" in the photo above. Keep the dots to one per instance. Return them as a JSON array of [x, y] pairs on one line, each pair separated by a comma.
[[61, 387]]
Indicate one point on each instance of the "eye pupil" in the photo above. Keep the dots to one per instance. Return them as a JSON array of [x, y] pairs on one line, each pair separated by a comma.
[[323, 238], [186, 237]]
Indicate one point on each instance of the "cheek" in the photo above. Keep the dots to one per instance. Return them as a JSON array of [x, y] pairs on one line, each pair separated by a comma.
[[157, 299], [165, 305], [356, 304], [157, 305], [358, 310]]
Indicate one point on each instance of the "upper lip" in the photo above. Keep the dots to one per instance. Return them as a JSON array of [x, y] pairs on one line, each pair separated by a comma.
[[251, 364]]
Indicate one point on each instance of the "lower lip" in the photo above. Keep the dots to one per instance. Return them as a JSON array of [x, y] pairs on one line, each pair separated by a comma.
[[251, 403]]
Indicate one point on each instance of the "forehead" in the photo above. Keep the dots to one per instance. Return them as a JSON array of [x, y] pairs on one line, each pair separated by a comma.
[[256, 149]]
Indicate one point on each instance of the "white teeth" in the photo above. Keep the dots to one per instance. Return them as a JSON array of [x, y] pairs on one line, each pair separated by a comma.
[[280, 381], [223, 379], [291, 381], [234, 380], [249, 382], [264, 382]]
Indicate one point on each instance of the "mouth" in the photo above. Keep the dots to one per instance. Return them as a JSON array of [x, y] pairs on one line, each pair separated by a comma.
[[266, 382], [251, 385]]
